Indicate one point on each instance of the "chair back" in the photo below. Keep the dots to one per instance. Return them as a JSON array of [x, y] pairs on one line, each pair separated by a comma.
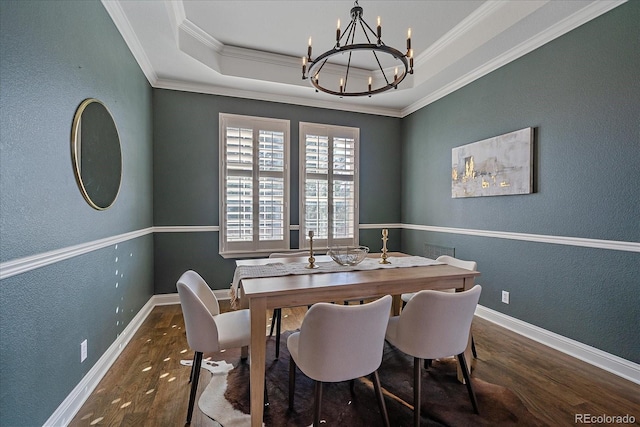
[[467, 265], [199, 306], [342, 342], [436, 324]]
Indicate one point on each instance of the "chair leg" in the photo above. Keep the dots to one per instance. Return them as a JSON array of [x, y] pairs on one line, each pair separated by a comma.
[[274, 319], [192, 367], [427, 363], [473, 348], [318, 404], [417, 380], [467, 380], [383, 407], [278, 328], [194, 384], [292, 381]]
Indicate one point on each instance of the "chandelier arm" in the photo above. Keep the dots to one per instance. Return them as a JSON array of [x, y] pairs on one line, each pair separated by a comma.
[[347, 33], [346, 75], [322, 65], [352, 33], [362, 24]]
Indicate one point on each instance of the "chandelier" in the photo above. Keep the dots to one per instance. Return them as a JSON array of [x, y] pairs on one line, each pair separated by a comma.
[[379, 80]]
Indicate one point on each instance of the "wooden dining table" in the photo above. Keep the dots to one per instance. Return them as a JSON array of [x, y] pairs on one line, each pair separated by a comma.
[[261, 294]]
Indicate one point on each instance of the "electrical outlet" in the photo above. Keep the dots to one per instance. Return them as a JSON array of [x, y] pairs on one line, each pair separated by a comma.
[[505, 297], [83, 351]]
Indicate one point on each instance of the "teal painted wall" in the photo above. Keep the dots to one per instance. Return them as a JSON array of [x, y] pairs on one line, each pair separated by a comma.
[[186, 176], [54, 55], [581, 93]]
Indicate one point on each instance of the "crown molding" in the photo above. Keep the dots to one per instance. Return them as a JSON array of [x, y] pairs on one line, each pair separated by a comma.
[[227, 60], [123, 25], [264, 96], [568, 24]]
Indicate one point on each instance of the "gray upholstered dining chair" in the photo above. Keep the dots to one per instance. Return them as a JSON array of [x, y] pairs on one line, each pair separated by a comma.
[[276, 318], [207, 329], [339, 343], [432, 325], [456, 262]]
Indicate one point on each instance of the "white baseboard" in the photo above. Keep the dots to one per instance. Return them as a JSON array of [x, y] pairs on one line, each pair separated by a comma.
[[74, 401], [609, 362]]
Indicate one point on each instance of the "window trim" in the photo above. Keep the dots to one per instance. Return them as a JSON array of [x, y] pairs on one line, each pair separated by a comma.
[[228, 249], [331, 131]]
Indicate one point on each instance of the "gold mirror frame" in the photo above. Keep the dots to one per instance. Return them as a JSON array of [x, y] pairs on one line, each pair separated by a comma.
[[97, 158]]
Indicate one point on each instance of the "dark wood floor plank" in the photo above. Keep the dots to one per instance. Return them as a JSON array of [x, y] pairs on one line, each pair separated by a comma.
[[553, 385]]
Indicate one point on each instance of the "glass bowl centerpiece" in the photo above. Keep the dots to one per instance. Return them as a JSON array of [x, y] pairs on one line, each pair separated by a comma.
[[348, 255]]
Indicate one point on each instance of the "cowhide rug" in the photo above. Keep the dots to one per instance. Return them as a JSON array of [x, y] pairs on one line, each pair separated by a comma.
[[445, 401]]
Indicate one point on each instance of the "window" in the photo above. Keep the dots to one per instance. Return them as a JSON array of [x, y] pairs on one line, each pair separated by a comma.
[[254, 184], [328, 184]]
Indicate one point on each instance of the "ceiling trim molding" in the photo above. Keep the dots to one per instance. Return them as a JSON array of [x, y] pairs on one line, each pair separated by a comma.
[[227, 59], [458, 31], [201, 35], [262, 96], [566, 25], [123, 25]]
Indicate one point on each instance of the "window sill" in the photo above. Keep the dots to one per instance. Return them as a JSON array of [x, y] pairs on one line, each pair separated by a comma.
[[265, 253]]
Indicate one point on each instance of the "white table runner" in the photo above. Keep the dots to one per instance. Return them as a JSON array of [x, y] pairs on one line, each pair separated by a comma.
[[277, 269]]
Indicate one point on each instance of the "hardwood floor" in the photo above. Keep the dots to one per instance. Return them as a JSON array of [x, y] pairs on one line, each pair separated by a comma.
[[147, 385]]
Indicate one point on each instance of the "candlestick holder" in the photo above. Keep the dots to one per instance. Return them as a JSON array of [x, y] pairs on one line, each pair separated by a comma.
[[384, 256], [312, 260]]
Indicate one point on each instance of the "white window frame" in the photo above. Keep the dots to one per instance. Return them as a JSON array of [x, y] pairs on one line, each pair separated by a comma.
[[256, 245], [330, 131]]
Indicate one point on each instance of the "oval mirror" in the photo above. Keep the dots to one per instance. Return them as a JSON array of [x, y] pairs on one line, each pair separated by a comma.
[[97, 160]]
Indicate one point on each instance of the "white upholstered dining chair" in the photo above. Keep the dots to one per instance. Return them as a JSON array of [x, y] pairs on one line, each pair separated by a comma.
[[207, 329], [432, 325], [339, 343], [276, 318], [456, 262]]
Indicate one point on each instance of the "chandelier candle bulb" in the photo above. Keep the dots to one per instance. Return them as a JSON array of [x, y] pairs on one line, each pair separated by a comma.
[[338, 35], [309, 50], [304, 67], [409, 40], [379, 30]]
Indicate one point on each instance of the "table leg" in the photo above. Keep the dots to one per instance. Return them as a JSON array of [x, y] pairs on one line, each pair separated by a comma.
[[258, 308], [396, 303], [468, 355]]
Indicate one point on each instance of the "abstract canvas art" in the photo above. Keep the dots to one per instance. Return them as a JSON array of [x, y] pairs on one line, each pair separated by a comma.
[[497, 166]]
